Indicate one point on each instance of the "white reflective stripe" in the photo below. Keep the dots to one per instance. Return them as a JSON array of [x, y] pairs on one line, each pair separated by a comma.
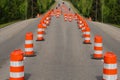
[[87, 38], [98, 52], [28, 49], [109, 77], [16, 74], [44, 20], [83, 32], [40, 35], [87, 32], [83, 28], [47, 18], [16, 63], [44, 24], [47, 22], [98, 44], [80, 25], [80, 21], [40, 29], [28, 41], [110, 66]]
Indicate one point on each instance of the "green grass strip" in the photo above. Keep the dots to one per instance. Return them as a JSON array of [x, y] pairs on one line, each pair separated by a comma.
[[6, 24]]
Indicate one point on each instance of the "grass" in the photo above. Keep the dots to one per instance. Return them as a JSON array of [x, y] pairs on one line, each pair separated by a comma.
[[9, 23], [118, 26], [6, 24], [52, 7]]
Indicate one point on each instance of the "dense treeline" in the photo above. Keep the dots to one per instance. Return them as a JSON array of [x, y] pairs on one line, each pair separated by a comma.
[[22, 9], [100, 10]]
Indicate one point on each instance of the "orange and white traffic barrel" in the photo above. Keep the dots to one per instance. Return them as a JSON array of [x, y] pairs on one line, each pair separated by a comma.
[[70, 18], [41, 29], [75, 16], [29, 44], [80, 24], [48, 19], [98, 47], [16, 65], [110, 66], [87, 36], [83, 30], [40, 33], [44, 24], [65, 17], [47, 22]]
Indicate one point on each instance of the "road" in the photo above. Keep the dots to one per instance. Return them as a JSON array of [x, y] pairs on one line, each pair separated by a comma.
[[62, 56]]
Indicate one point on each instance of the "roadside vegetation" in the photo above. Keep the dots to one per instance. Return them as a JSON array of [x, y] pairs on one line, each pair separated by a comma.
[[12, 10], [107, 11]]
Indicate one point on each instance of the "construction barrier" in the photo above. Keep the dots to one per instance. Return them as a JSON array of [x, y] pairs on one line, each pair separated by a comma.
[[75, 16], [87, 36], [29, 44], [44, 24], [16, 65], [83, 30], [110, 66], [80, 24], [65, 17], [70, 17], [40, 33], [98, 47]]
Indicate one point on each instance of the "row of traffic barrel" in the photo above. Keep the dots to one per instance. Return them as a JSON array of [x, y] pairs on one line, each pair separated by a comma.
[[17, 56], [110, 70]]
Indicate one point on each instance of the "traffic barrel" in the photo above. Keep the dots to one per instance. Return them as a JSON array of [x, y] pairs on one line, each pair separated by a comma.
[[44, 24], [98, 47], [65, 17], [87, 36], [40, 33], [80, 24], [70, 17], [48, 19], [29, 44], [75, 16], [110, 66], [83, 30], [16, 65]]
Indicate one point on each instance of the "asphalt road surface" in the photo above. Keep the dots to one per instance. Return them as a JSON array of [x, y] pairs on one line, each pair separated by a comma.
[[62, 56]]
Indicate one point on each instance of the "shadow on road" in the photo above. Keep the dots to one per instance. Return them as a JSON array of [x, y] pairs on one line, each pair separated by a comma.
[[99, 77], [27, 76]]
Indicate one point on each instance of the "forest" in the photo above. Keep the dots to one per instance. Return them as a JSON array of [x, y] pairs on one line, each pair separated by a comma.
[[11, 10], [107, 11]]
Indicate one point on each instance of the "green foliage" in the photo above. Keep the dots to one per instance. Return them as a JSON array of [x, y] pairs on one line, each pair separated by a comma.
[[11, 10], [100, 10], [44, 5]]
